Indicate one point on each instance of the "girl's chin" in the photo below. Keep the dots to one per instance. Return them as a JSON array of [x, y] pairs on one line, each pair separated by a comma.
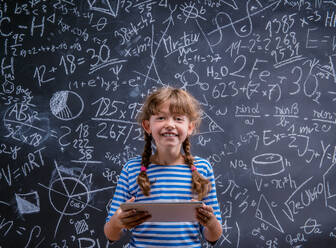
[[170, 139], [169, 144]]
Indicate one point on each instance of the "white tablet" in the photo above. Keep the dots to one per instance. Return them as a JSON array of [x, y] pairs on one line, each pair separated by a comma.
[[166, 211]]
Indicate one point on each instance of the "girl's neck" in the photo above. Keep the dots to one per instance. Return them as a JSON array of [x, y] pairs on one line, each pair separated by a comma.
[[167, 159]]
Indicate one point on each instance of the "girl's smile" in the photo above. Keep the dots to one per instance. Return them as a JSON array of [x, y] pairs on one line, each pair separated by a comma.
[[168, 134]]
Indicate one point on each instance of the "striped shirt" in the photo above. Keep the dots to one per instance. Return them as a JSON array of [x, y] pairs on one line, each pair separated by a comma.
[[170, 183]]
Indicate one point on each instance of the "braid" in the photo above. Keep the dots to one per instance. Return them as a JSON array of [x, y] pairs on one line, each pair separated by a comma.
[[189, 159], [200, 185], [143, 180]]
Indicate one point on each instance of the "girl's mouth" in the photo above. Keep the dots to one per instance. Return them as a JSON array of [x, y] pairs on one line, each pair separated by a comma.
[[169, 135]]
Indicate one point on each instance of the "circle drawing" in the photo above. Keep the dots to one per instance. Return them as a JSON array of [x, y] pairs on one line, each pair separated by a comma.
[[66, 105], [68, 196]]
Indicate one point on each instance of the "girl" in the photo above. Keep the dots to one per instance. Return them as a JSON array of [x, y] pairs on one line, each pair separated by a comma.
[[169, 116]]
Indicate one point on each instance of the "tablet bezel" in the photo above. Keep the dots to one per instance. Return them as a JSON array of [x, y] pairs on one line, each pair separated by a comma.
[[166, 211]]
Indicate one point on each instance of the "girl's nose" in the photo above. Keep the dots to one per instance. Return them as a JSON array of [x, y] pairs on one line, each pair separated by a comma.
[[170, 123]]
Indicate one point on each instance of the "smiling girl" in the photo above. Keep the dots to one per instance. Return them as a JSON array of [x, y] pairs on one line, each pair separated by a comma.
[[169, 117]]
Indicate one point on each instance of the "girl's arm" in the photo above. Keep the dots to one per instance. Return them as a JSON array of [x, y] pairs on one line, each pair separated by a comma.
[[213, 228], [113, 228]]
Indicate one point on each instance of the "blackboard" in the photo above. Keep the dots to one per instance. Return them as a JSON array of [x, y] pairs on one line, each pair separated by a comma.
[[74, 75]]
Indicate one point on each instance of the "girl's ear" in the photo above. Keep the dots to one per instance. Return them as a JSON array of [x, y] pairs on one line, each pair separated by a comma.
[[146, 126], [191, 128]]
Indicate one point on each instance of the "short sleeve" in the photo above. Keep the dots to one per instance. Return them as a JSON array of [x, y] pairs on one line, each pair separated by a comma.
[[211, 198], [206, 170], [121, 194]]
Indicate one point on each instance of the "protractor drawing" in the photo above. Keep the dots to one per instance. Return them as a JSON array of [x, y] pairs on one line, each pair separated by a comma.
[[66, 105], [68, 195]]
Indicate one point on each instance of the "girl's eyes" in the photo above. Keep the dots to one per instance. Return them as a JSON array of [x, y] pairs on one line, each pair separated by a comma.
[[179, 118]]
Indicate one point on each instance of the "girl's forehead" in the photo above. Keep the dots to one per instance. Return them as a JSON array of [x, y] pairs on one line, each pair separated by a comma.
[[164, 106], [169, 108]]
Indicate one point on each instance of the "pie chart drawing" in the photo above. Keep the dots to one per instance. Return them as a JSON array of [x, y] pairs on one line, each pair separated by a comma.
[[66, 105], [68, 196]]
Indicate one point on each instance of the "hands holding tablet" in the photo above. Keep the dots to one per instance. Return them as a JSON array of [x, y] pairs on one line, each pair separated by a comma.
[[205, 215], [131, 218], [132, 214]]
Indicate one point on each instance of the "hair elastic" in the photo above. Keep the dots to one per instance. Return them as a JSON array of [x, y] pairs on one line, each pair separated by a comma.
[[193, 168], [143, 168]]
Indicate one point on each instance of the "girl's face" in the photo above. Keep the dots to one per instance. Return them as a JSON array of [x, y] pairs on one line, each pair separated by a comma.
[[168, 130]]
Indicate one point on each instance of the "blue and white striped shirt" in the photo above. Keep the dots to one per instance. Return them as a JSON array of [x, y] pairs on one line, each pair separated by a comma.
[[170, 183]]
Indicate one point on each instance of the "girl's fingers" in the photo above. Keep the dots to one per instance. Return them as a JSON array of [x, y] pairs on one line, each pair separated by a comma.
[[138, 222], [205, 214], [127, 213], [133, 218], [131, 200], [202, 220]]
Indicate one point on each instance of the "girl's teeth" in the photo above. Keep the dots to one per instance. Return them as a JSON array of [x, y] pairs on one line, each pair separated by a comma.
[[168, 134]]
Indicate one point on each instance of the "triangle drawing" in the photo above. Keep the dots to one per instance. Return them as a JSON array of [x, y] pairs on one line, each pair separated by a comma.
[[212, 126], [28, 203], [265, 213], [105, 6]]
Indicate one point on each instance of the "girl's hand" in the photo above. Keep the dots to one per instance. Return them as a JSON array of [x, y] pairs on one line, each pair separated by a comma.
[[205, 215], [131, 218]]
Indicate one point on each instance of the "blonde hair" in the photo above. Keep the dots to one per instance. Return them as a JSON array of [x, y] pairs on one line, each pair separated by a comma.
[[181, 102]]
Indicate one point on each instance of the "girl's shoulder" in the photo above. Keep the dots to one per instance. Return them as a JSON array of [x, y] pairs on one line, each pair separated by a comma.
[[133, 162], [203, 166], [198, 161], [134, 159]]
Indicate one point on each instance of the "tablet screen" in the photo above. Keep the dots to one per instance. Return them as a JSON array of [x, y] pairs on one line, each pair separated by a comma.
[[166, 211]]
